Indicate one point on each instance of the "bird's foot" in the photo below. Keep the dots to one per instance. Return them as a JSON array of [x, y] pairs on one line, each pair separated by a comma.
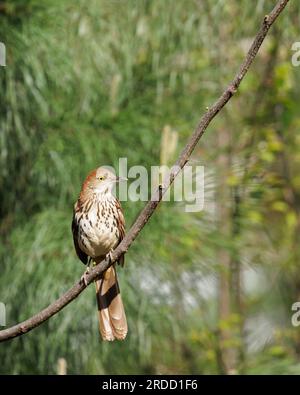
[[83, 278], [109, 256]]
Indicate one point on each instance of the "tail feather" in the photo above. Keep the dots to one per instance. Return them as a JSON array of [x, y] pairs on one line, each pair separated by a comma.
[[112, 318]]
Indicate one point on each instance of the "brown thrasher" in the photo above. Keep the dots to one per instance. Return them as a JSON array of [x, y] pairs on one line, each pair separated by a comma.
[[98, 226]]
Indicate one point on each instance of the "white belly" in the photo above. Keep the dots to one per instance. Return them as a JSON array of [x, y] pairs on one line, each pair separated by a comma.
[[97, 236]]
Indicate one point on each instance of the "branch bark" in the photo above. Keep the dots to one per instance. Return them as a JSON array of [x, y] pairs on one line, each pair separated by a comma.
[[72, 293]]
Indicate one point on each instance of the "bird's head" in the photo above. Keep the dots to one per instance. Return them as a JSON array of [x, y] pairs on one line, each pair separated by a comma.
[[101, 181]]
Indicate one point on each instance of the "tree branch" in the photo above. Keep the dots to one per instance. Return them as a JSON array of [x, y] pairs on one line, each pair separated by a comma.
[[148, 210]]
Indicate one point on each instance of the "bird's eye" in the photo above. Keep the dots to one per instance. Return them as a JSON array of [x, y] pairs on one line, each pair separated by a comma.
[[101, 178]]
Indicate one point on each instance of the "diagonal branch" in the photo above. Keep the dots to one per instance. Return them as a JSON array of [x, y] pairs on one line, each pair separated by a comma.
[[148, 210]]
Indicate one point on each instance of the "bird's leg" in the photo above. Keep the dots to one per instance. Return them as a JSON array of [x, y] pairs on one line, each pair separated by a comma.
[[109, 256], [83, 278], [86, 272]]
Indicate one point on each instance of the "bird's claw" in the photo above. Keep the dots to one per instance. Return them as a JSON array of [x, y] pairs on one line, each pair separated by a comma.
[[109, 256], [83, 278]]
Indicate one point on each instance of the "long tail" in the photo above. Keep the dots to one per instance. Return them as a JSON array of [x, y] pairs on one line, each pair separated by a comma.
[[112, 318]]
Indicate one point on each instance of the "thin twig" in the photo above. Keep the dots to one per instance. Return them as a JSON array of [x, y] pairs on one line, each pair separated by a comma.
[[148, 210]]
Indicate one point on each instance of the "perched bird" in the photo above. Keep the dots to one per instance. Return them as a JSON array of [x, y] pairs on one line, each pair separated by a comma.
[[98, 226]]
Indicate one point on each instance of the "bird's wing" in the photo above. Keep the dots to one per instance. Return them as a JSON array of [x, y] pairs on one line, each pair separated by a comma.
[[81, 255]]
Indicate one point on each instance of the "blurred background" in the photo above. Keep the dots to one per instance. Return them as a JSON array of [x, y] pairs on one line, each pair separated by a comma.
[[88, 82]]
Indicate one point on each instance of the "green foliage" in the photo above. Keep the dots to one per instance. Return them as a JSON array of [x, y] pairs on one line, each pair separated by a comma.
[[87, 83]]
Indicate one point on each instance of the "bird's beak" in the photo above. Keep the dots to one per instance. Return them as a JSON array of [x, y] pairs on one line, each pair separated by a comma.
[[118, 179]]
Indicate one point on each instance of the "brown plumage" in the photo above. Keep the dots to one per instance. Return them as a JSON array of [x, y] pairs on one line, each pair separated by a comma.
[[98, 226]]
